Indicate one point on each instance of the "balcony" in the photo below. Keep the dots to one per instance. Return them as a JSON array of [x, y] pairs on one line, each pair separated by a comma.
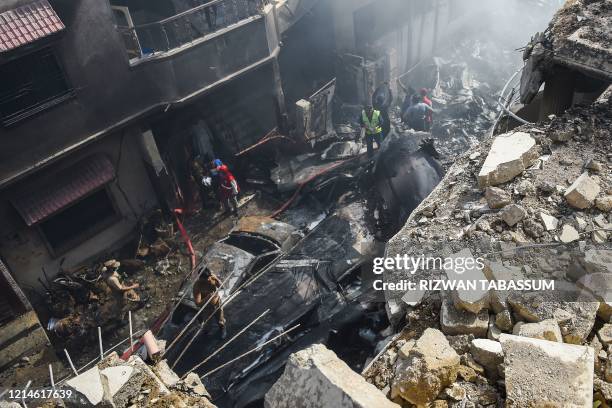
[[156, 39]]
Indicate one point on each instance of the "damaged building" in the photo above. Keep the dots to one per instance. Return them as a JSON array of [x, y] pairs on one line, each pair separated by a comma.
[[109, 107]]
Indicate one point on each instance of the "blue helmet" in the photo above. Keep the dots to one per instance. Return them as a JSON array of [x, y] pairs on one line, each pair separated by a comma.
[[217, 163]]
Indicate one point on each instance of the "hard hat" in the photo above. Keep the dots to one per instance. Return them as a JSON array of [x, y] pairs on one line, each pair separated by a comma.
[[112, 263], [217, 163]]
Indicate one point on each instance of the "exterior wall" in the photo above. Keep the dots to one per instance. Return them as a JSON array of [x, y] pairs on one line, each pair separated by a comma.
[[110, 93], [24, 250], [408, 42]]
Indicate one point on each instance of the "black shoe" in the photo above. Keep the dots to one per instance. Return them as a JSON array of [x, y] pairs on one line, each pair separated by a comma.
[[223, 332]]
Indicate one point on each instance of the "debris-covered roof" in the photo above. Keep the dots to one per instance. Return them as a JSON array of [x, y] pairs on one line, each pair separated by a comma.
[[28, 23], [581, 34]]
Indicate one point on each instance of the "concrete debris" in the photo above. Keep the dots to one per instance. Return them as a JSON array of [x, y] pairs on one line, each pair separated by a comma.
[[512, 214], [550, 223], [497, 271], [134, 383], [542, 372], [315, 377], [604, 203], [545, 330], [467, 299], [431, 366], [165, 374], [497, 198], [568, 234], [573, 309], [605, 334], [583, 191], [489, 354], [454, 321], [193, 384], [510, 155]]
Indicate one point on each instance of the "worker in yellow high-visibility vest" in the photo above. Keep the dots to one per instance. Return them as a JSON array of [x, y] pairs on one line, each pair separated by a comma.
[[372, 122]]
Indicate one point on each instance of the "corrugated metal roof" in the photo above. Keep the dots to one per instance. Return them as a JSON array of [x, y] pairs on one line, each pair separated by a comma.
[[26, 24], [47, 195]]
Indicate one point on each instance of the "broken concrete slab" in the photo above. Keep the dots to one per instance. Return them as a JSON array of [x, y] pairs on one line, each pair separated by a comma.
[[453, 321], [316, 378], [568, 234], [583, 191], [165, 373], [87, 386], [541, 372], [487, 353], [431, 366], [550, 223], [117, 377], [497, 198], [471, 300], [546, 330], [512, 214], [510, 155]]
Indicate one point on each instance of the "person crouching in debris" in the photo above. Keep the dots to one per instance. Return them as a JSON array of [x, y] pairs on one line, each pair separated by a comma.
[[205, 288], [228, 187], [122, 294], [416, 115], [372, 121]]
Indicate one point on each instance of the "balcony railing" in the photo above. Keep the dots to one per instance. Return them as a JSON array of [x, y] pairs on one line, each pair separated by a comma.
[[184, 28]]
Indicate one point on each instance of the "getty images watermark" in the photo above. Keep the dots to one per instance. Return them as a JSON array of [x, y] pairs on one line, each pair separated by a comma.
[[462, 272]]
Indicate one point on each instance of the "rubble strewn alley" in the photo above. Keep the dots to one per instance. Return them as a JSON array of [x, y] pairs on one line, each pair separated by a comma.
[[306, 203]]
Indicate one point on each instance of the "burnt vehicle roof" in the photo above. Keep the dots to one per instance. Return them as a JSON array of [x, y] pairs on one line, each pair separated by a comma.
[[301, 287], [267, 227], [222, 260]]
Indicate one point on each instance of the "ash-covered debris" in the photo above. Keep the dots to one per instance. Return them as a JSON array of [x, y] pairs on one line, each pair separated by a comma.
[[578, 37], [464, 85]]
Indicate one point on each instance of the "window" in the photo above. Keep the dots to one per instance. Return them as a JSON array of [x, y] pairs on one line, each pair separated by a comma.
[[31, 84], [78, 222]]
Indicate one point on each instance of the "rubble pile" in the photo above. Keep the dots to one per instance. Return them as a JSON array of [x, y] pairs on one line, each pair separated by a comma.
[[132, 383], [534, 203]]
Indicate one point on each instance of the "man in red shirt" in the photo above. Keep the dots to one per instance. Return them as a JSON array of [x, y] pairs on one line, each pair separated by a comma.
[[228, 187], [427, 101]]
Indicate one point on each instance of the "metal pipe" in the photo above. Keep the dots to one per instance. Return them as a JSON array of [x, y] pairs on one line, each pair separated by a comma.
[[131, 332], [227, 343], [249, 352], [51, 376], [100, 342], [70, 362]]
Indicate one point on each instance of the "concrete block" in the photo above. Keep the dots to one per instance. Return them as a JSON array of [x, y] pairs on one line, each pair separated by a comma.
[[544, 372], [315, 378], [510, 155], [583, 191]]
